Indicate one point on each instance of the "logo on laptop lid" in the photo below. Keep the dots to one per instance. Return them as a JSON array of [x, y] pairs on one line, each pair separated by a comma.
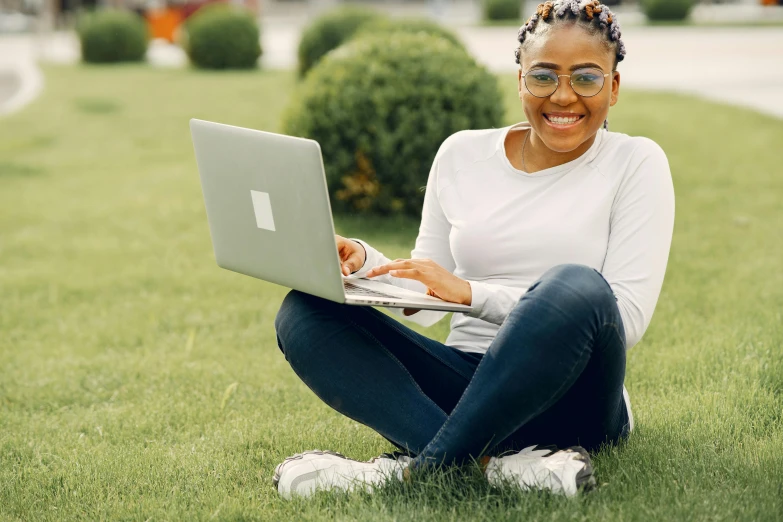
[[263, 210]]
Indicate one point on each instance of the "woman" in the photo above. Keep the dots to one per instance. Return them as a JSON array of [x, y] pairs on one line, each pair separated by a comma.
[[557, 232]]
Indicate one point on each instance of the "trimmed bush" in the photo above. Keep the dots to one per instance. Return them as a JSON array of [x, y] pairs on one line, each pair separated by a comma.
[[110, 36], [222, 36], [667, 10], [380, 109], [502, 9], [329, 32], [407, 25]]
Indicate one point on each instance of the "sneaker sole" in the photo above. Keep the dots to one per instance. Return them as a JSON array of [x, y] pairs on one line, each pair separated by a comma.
[[585, 480], [299, 457]]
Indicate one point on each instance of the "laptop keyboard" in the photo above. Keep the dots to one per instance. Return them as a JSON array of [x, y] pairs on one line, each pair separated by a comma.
[[352, 289]]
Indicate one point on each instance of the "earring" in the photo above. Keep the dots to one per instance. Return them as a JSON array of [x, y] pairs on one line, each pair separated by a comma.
[[606, 124]]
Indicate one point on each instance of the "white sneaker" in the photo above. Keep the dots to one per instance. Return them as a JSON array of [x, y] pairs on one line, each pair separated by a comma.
[[544, 467], [305, 473]]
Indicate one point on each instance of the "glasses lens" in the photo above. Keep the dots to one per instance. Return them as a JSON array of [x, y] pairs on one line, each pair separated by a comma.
[[587, 82], [541, 82]]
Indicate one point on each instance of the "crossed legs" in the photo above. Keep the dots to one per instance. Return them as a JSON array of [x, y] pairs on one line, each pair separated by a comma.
[[552, 375]]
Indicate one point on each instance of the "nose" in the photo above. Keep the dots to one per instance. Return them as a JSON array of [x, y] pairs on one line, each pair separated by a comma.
[[564, 95]]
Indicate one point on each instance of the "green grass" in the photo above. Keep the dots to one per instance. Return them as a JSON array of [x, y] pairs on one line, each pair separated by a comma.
[[141, 382]]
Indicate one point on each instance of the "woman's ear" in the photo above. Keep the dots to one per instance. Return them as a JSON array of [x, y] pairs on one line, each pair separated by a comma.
[[615, 88], [520, 87]]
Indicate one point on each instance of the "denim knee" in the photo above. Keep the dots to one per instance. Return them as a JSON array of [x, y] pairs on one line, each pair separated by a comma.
[[294, 305], [588, 283]]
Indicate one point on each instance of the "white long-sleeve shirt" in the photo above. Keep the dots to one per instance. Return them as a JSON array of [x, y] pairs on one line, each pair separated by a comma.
[[500, 228]]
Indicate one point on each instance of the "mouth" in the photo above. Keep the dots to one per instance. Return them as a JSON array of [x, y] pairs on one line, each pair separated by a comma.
[[563, 121]]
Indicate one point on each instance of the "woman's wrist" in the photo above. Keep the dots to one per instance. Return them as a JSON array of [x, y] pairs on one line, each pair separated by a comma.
[[468, 300], [365, 253]]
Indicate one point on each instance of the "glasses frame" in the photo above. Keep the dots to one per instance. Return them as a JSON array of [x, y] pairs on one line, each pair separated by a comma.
[[557, 85]]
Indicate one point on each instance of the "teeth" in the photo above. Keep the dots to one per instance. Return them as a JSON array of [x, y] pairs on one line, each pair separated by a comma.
[[562, 120]]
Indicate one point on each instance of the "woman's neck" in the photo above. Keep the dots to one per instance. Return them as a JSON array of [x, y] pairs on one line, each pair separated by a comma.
[[537, 156]]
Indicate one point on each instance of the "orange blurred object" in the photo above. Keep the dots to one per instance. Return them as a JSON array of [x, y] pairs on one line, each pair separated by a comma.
[[163, 23], [769, 2]]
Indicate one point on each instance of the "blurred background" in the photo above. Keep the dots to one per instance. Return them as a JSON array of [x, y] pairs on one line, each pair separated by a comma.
[[139, 381], [675, 44]]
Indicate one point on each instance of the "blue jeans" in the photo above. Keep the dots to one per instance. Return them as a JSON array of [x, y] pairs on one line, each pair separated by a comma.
[[552, 375]]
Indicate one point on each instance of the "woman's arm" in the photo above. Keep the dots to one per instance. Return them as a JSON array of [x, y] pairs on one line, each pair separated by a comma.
[[640, 235]]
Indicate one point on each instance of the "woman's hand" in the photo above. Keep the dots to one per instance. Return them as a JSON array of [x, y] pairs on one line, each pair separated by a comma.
[[352, 255], [439, 282]]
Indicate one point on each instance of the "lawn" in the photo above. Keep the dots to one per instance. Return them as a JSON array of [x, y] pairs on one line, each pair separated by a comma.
[[139, 381]]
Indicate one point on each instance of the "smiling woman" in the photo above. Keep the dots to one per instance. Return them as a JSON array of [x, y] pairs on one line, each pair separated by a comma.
[[557, 233], [580, 38]]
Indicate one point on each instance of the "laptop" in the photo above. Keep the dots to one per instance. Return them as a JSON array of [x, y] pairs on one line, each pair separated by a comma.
[[269, 217]]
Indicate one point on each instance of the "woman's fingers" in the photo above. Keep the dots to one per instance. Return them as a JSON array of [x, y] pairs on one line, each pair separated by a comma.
[[351, 254], [344, 252], [343, 248], [407, 274], [440, 282], [396, 265], [354, 263]]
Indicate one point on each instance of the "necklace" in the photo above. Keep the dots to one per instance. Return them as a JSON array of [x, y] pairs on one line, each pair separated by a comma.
[[524, 167]]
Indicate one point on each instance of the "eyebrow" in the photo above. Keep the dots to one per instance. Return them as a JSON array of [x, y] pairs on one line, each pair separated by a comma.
[[572, 68]]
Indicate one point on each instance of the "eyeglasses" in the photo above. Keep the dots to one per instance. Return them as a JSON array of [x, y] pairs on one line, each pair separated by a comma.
[[543, 83]]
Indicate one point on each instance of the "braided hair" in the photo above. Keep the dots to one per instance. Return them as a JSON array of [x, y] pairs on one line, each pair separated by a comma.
[[593, 15]]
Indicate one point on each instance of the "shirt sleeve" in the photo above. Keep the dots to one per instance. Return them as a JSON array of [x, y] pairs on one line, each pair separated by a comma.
[[640, 235], [431, 243], [492, 302]]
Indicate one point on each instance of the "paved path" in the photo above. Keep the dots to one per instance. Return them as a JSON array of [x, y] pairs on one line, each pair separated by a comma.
[[735, 65], [10, 84], [20, 79]]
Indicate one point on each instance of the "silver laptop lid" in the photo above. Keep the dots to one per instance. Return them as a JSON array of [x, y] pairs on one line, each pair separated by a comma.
[[268, 207]]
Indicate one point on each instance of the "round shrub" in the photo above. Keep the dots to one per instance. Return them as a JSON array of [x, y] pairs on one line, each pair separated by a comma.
[[329, 32], [407, 25], [109, 36], [502, 9], [222, 36], [380, 109], [667, 10]]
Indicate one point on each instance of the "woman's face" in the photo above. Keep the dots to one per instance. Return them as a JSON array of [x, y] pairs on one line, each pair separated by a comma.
[[563, 48]]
